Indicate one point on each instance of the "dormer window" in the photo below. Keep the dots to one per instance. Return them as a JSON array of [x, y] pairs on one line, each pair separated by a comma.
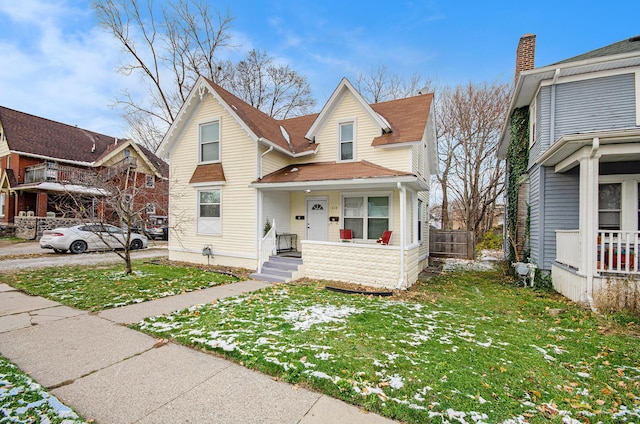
[[347, 148]]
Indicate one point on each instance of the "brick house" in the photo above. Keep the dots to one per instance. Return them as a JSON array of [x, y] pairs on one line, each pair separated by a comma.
[[42, 161]]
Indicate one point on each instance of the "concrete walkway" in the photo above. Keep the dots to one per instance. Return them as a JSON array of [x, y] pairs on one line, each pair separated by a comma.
[[112, 374]]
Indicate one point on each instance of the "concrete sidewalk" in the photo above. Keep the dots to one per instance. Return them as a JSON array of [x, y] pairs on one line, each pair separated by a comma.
[[112, 374]]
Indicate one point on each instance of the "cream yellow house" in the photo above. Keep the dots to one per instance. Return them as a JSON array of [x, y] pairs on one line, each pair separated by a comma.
[[246, 187]]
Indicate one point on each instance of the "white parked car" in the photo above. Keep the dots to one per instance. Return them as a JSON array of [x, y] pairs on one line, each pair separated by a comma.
[[85, 237]]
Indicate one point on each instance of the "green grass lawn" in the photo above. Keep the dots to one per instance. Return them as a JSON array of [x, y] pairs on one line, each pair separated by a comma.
[[103, 287], [463, 347], [24, 401]]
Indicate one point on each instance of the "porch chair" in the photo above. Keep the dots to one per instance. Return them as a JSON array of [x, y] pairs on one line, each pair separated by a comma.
[[385, 239], [346, 235]]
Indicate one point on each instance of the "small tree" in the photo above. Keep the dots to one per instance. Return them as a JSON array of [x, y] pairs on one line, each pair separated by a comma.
[[121, 200]]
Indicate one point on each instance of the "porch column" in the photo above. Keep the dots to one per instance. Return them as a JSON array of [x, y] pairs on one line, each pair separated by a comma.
[[41, 203], [259, 224], [588, 221], [403, 230]]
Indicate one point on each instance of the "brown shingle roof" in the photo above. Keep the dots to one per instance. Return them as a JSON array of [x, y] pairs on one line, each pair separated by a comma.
[[161, 166], [407, 117], [323, 171], [39, 136], [211, 172]]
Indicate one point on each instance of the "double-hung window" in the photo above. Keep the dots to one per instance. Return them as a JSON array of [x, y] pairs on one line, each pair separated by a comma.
[[210, 142], [346, 141], [150, 181], [366, 216], [3, 203], [209, 211], [609, 206]]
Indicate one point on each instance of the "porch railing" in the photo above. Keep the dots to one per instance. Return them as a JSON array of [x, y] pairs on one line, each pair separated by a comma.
[[58, 173], [568, 247], [618, 252], [267, 245]]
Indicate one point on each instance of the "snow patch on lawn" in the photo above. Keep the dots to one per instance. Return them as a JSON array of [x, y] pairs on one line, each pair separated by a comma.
[[305, 318]]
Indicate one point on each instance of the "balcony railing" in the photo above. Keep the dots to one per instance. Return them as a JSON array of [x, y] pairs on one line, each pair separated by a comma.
[[568, 247], [119, 167], [618, 252], [58, 173]]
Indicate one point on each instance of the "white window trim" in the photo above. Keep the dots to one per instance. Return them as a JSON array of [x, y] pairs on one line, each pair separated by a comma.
[[197, 208], [354, 122], [151, 208], [199, 150], [364, 221], [532, 120], [149, 181], [629, 198], [3, 204]]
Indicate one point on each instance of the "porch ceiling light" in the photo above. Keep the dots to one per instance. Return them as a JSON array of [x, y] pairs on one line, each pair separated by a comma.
[[307, 191]]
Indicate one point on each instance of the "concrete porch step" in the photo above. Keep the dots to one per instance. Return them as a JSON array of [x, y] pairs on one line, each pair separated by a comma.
[[278, 269]]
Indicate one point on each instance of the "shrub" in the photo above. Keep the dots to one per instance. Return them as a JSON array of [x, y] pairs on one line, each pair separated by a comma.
[[491, 240]]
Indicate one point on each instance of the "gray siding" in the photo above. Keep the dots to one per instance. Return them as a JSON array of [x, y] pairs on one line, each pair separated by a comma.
[[561, 212], [534, 208], [595, 104]]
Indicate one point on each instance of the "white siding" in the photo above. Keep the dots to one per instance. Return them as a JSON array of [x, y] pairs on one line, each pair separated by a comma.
[[238, 240], [365, 131]]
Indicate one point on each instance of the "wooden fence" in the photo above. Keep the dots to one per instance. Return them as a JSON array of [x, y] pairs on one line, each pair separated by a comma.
[[452, 244]]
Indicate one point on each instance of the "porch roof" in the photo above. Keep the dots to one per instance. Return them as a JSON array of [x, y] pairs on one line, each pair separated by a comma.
[[66, 188], [622, 144], [328, 175]]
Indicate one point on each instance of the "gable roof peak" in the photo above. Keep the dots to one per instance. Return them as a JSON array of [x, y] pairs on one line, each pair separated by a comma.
[[343, 87]]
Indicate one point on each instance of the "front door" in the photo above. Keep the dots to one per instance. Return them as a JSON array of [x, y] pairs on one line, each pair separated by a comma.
[[317, 220]]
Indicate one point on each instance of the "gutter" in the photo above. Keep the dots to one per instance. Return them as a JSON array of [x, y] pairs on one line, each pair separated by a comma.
[[269, 150]]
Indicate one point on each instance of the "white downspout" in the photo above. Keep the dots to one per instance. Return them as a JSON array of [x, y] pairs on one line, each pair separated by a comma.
[[269, 150], [403, 218]]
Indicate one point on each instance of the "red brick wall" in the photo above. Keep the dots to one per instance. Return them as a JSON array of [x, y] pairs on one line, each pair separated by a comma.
[[525, 54]]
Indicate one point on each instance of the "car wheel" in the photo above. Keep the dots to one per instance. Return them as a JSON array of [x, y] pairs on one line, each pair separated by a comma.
[[78, 246], [59, 250], [136, 244]]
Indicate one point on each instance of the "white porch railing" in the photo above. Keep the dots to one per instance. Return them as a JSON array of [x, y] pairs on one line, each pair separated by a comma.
[[618, 252], [267, 245], [568, 247]]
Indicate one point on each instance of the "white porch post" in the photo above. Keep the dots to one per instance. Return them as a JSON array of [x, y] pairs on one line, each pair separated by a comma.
[[259, 220], [403, 231], [588, 221]]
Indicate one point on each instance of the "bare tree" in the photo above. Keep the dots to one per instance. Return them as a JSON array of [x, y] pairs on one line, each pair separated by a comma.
[[120, 199], [277, 90], [167, 49], [470, 118], [382, 85]]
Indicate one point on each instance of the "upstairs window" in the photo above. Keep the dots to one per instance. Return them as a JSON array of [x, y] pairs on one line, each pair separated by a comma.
[[210, 142], [532, 122], [346, 141], [150, 181]]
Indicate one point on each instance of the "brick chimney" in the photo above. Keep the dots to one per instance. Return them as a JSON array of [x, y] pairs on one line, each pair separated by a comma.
[[525, 54]]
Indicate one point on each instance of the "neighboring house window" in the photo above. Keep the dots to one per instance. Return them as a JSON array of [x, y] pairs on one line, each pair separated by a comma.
[[609, 206], [420, 216], [151, 208], [532, 122], [366, 216], [209, 212], [127, 153], [210, 142], [150, 181], [3, 202], [346, 141]]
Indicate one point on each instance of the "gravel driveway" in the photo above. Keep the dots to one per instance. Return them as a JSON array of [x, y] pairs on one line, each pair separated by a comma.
[[28, 254]]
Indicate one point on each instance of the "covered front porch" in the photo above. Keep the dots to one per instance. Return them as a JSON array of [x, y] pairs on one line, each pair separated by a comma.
[[605, 245], [307, 218]]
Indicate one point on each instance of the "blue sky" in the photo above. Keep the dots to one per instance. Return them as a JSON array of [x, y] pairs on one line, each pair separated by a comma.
[[59, 65]]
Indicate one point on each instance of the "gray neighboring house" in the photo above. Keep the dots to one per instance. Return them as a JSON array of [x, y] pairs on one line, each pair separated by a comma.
[[584, 164]]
